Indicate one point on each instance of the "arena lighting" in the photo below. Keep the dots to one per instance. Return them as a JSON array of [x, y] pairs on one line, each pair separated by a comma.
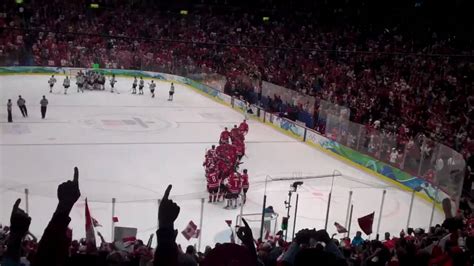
[[183, 12], [19, 2], [266, 18], [94, 5]]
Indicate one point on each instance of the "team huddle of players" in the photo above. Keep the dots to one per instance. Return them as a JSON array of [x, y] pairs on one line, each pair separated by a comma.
[[222, 167], [90, 80]]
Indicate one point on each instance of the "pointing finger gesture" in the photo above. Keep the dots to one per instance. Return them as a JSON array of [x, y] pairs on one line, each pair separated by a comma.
[[19, 220], [168, 211]]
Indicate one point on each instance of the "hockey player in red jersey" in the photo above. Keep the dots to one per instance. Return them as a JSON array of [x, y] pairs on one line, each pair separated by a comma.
[[207, 162], [245, 185], [213, 182], [244, 127], [236, 135], [240, 149], [232, 155], [212, 152], [210, 156], [228, 153], [224, 138], [233, 185], [223, 171]]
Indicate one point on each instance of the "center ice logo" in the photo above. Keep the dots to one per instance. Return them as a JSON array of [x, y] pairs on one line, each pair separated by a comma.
[[126, 122]]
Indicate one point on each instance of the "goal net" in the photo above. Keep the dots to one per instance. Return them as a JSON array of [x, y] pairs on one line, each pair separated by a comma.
[[270, 223]]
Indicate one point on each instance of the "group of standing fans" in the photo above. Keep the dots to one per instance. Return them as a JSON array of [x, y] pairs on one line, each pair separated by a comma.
[[222, 167]]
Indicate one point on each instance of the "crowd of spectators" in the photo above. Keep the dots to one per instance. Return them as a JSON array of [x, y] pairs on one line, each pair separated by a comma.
[[448, 244]]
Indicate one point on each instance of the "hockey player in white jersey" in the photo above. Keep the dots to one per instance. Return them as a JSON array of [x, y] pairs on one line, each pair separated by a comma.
[[51, 82], [101, 81], [141, 85], [66, 84], [112, 83], [171, 93], [134, 85], [80, 80], [152, 87]]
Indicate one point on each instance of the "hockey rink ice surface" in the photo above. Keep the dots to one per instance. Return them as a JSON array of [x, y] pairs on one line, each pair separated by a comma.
[[130, 147]]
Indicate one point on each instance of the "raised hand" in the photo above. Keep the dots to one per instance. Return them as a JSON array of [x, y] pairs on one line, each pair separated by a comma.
[[245, 233], [19, 220], [168, 211], [68, 192]]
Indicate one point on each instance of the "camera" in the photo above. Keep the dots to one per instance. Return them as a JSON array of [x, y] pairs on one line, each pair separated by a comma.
[[295, 185]]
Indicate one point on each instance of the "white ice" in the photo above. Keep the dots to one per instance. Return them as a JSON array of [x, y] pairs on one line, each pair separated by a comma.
[[131, 147]]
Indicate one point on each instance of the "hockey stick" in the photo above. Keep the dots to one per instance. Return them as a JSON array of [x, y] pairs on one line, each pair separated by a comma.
[[116, 91]]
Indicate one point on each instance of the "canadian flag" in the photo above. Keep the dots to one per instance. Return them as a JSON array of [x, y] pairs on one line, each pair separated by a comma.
[[90, 234], [191, 231], [128, 241]]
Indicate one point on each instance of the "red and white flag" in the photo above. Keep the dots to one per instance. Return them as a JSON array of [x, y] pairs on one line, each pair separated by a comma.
[[90, 234], [340, 229], [191, 231], [366, 222], [129, 240]]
